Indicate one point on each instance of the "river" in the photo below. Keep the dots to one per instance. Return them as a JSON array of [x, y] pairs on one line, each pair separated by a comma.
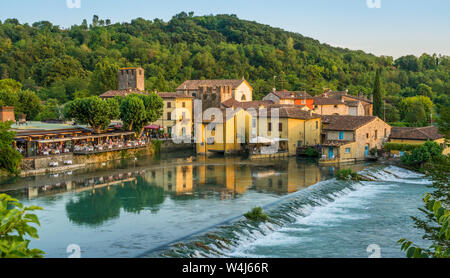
[[186, 206]]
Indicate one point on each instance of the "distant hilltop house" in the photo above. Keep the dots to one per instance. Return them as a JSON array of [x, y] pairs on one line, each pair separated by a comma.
[[357, 105], [130, 81], [418, 136], [350, 138], [7, 114], [290, 98], [213, 93]]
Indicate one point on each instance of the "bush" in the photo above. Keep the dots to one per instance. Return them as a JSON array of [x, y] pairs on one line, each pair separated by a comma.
[[430, 151], [400, 147], [347, 174], [373, 152], [311, 152], [14, 226], [10, 159], [257, 214]]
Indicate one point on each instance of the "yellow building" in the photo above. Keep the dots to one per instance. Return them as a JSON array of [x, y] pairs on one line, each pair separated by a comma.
[[418, 136], [350, 138], [224, 131], [176, 179], [177, 115], [293, 124]]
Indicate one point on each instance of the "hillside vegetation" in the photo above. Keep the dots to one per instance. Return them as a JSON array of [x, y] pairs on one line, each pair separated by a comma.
[[63, 64]]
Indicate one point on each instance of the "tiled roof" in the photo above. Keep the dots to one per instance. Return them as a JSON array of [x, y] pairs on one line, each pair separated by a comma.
[[327, 101], [247, 104], [173, 95], [292, 95], [348, 123], [416, 133], [225, 116], [195, 84], [294, 112], [123, 93]]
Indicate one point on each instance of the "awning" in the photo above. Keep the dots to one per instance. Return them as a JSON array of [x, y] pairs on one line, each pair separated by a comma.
[[260, 140], [56, 140], [156, 127]]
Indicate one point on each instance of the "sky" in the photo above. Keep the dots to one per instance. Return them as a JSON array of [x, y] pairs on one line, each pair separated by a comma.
[[396, 28]]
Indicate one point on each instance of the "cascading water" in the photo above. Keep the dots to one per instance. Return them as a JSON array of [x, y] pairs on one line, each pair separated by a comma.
[[333, 209]]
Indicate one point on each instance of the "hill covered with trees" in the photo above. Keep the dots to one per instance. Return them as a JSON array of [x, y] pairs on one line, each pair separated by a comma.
[[60, 65]]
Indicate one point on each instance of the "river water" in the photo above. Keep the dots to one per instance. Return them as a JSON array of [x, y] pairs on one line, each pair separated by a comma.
[[187, 206]]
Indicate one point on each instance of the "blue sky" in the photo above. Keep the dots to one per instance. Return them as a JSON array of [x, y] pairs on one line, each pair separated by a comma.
[[398, 28]]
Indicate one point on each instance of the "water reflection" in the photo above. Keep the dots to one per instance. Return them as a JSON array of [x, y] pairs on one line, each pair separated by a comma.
[[99, 196]]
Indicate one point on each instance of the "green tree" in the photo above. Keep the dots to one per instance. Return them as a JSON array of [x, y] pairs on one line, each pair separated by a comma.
[[29, 104], [10, 84], [10, 159], [444, 121], [93, 111], [425, 90], [378, 96], [104, 77], [415, 115], [137, 111], [15, 226]]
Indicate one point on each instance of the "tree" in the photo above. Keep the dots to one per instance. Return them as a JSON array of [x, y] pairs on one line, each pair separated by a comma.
[[92, 111], [104, 77], [15, 228], [444, 121], [10, 159], [406, 104], [29, 104], [415, 115], [425, 90], [378, 96], [137, 111], [10, 84], [428, 152]]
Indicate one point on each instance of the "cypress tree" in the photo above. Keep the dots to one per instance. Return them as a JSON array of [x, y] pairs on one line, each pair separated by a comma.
[[377, 96]]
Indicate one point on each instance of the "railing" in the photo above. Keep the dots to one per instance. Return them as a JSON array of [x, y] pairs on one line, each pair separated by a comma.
[[111, 148]]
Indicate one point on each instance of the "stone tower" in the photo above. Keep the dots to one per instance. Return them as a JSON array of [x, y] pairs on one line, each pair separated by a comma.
[[131, 79]]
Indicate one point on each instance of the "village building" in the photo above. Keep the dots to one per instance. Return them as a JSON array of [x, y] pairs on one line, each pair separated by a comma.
[[290, 98], [176, 120], [417, 136], [294, 127], [367, 104], [213, 92], [350, 138], [330, 106], [7, 114], [226, 134]]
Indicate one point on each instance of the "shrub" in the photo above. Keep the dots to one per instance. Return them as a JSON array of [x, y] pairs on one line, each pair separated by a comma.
[[256, 214], [14, 226], [373, 152], [347, 174], [400, 147], [430, 151], [311, 152]]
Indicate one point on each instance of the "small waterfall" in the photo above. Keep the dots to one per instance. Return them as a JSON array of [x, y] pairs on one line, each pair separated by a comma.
[[323, 204]]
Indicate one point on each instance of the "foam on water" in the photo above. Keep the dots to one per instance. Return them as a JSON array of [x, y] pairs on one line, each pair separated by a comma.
[[325, 204]]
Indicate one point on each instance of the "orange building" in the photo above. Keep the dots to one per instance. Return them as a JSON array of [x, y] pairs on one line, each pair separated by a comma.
[[7, 114]]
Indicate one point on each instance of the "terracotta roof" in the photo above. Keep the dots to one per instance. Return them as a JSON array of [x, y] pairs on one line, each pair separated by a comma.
[[327, 101], [173, 95], [247, 104], [416, 133], [123, 93], [292, 95], [195, 84], [294, 112], [349, 123], [335, 143]]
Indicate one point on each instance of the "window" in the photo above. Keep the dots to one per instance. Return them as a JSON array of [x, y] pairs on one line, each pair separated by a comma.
[[317, 124], [376, 134], [169, 104], [385, 132], [169, 175], [303, 101], [367, 135], [269, 128], [254, 123], [335, 106], [169, 116], [243, 98], [183, 105], [140, 72], [347, 150], [280, 127], [341, 135]]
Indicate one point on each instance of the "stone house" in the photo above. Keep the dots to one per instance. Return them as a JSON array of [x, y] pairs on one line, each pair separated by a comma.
[[350, 138], [418, 136], [366, 103]]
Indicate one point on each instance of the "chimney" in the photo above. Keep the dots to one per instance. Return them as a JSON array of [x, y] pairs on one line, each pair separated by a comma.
[[310, 113]]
